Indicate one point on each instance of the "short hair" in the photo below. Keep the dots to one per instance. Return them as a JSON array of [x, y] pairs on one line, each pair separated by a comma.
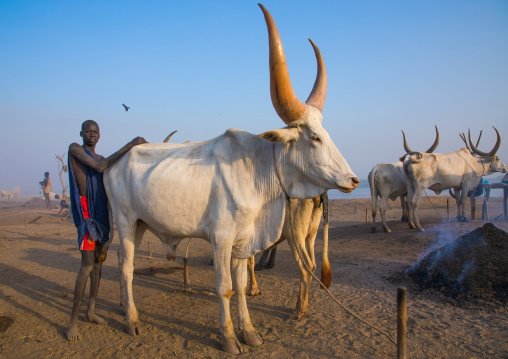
[[46, 174], [88, 122]]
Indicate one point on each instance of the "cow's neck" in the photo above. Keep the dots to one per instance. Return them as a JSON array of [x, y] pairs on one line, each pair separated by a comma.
[[295, 180], [482, 166]]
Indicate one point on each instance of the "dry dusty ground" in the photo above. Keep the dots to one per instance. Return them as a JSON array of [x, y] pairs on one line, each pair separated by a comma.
[[39, 262]]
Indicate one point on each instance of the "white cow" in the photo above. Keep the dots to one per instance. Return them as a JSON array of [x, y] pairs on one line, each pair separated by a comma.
[[388, 181], [458, 170], [228, 190]]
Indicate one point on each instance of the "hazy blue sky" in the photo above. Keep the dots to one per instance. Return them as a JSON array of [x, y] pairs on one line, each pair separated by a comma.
[[201, 67]]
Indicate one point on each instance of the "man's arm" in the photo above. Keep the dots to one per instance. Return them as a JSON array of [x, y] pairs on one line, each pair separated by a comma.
[[102, 164]]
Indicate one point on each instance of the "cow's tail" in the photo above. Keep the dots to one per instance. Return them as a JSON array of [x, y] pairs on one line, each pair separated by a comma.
[[326, 271], [373, 192], [451, 193]]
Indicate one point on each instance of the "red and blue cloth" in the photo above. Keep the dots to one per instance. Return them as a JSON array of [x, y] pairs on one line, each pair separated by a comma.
[[92, 222]]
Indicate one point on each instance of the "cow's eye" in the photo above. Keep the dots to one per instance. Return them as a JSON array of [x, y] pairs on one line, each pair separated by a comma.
[[315, 138]]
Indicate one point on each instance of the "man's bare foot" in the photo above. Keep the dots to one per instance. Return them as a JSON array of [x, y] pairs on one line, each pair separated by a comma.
[[72, 334], [94, 318]]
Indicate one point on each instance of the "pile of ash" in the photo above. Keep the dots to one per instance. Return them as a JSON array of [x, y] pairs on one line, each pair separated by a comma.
[[473, 268]]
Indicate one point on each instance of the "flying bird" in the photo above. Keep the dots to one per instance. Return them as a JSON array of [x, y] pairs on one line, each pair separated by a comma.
[[126, 107]]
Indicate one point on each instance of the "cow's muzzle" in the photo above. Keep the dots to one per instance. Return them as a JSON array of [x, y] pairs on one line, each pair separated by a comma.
[[353, 183]]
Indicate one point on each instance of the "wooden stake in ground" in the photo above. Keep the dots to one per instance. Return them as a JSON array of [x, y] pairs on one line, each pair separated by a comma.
[[366, 215], [401, 323], [149, 251]]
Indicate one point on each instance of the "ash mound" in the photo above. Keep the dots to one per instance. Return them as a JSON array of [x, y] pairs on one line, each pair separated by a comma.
[[471, 269]]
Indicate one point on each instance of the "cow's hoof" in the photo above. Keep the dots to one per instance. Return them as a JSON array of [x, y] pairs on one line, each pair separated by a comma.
[[411, 226], [252, 339], [269, 265], [232, 347], [421, 230], [388, 230], [404, 219], [258, 267], [298, 314], [133, 329], [253, 292]]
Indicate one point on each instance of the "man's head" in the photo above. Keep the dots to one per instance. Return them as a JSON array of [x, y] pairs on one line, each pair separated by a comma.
[[90, 132], [46, 174]]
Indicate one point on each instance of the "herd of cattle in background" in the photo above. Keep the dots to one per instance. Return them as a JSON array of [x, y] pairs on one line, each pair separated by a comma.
[[245, 193], [461, 171]]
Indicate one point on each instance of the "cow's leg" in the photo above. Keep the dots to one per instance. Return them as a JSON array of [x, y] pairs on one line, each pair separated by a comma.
[[250, 334], [416, 203], [120, 256], [403, 205], [262, 260], [302, 260], [382, 210], [302, 304], [253, 284], [271, 261], [374, 213], [410, 204], [222, 266], [458, 201], [140, 230], [463, 199], [127, 233]]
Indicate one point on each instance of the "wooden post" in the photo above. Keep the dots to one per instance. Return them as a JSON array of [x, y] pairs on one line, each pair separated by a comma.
[[366, 215], [186, 275], [149, 251], [401, 323], [448, 208]]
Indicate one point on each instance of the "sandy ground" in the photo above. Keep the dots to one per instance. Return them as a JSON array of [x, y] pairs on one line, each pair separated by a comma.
[[39, 261]]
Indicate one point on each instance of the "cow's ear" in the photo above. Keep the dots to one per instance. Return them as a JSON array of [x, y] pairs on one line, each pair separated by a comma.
[[281, 135]]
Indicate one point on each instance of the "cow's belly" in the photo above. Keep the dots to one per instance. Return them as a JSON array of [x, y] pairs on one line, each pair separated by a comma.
[[397, 193], [172, 209]]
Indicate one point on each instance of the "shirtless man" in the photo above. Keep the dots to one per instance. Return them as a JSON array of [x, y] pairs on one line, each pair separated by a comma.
[[90, 214]]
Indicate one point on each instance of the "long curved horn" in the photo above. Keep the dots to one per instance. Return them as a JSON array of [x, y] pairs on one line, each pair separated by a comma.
[[406, 146], [318, 93], [492, 152], [479, 136], [436, 142], [169, 136], [284, 100]]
